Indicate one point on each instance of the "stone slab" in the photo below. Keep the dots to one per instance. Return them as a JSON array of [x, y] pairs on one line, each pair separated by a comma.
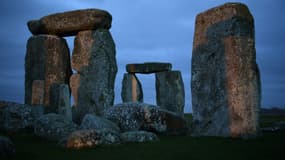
[[149, 67]]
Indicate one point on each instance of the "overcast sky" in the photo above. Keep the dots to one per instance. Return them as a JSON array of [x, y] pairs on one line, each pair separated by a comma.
[[145, 31]]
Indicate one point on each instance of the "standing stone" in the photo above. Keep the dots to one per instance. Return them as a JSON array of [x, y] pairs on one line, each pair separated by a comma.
[[74, 84], [47, 58], [60, 100], [94, 60], [38, 91], [225, 78], [170, 94], [70, 23], [131, 89]]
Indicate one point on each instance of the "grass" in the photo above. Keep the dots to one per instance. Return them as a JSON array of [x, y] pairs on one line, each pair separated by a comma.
[[268, 146]]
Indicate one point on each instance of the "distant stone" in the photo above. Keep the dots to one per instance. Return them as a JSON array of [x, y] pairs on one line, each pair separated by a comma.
[[38, 91], [225, 77], [96, 66], [146, 68], [7, 147], [170, 94], [91, 121], [131, 89], [47, 58], [92, 138], [60, 100], [138, 136], [71, 22], [54, 127], [74, 83]]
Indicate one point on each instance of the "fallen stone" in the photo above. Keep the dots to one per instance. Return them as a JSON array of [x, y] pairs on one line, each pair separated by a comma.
[[146, 68], [54, 127], [7, 147], [70, 23], [131, 89], [47, 58], [96, 72], [60, 100], [138, 136], [92, 138], [91, 121], [38, 91], [225, 77], [170, 94]]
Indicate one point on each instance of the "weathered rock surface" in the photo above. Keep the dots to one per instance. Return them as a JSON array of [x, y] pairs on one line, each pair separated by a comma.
[[91, 121], [146, 68], [126, 115], [131, 89], [70, 23], [38, 91], [138, 136], [60, 100], [170, 93], [225, 78], [92, 138], [54, 127], [47, 58], [15, 117], [96, 71], [7, 147]]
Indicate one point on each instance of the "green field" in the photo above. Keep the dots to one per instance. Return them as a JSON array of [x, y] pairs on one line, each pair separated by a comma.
[[269, 146]]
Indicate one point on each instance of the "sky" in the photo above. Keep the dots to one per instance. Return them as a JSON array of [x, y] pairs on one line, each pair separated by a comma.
[[146, 31]]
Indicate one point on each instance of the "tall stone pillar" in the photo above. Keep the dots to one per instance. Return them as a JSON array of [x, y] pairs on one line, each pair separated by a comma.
[[131, 89], [170, 93], [225, 78], [47, 58]]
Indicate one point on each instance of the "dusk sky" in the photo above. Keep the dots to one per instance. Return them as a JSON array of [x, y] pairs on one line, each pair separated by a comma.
[[146, 31]]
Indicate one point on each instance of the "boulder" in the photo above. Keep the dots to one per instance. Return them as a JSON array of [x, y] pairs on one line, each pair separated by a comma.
[[131, 89], [71, 22], [150, 67], [92, 138], [138, 136], [91, 121], [47, 59], [225, 78], [126, 115], [96, 66], [170, 94], [38, 91], [54, 127], [7, 147], [60, 100]]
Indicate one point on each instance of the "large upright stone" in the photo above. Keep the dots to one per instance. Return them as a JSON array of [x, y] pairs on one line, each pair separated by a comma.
[[149, 67], [170, 94], [94, 58], [47, 58], [38, 92], [131, 89], [70, 23], [225, 78], [60, 100]]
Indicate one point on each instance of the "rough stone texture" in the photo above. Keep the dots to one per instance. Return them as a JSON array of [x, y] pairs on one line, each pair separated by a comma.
[[54, 127], [96, 71], [16, 117], [38, 90], [47, 58], [138, 136], [225, 78], [7, 147], [91, 121], [131, 89], [146, 68], [70, 23], [74, 82], [126, 115], [60, 100], [92, 138], [170, 93]]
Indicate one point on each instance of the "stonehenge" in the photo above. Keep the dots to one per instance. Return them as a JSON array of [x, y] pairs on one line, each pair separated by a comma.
[[225, 78]]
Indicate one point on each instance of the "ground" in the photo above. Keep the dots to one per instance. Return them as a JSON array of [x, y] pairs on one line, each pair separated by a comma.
[[268, 146]]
